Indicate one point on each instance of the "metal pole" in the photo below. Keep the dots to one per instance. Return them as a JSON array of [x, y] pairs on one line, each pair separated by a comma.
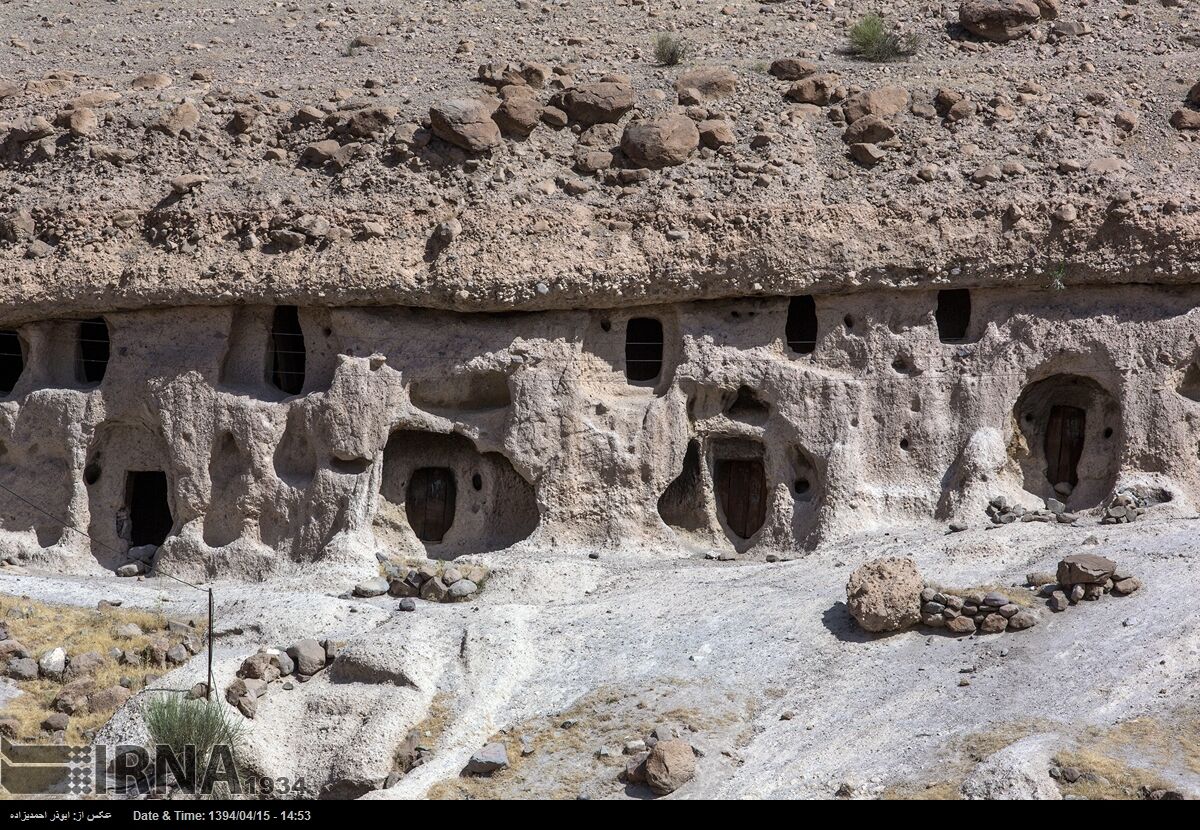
[[208, 694]]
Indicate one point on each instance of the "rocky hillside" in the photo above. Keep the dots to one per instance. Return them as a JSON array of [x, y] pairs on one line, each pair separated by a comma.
[[523, 154]]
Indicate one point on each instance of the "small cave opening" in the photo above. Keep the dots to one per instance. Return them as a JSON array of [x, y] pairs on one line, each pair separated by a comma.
[[748, 407], [953, 314], [288, 355], [12, 361], [740, 482], [429, 502], [1189, 385], [805, 476], [92, 350], [643, 349], [801, 329], [148, 506]]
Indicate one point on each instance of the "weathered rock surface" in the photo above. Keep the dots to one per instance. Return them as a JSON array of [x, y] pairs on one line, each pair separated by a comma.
[[660, 142], [465, 123], [885, 595], [670, 765]]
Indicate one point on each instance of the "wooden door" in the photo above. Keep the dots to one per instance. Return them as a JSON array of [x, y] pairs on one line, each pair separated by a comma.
[[1064, 443], [429, 502], [742, 494]]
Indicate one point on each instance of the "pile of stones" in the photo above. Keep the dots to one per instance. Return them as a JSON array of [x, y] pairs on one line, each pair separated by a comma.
[[432, 581], [302, 661], [975, 611], [1124, 508], [1003, 513], [662, 761], [1083, 576]]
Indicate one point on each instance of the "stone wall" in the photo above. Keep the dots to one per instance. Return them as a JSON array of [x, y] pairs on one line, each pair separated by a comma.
[[550, 444]]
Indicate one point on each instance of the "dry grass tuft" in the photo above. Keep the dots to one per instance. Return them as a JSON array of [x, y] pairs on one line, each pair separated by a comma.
[[1105, 777]]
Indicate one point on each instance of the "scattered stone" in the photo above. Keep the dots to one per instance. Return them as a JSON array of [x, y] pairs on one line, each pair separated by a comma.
[[885, 594], [182, 185], [1084, 569], [309, 656], [466, 123], [999, 20], [109, 700], [1126, 586], [372, 588], [462, 588], [660, 142], [491, 759], [670, 765], [22, 668], [792, 69], [183, 119], [152, 81], [711, 82], [598, 103], [814, 89], [53, 664]]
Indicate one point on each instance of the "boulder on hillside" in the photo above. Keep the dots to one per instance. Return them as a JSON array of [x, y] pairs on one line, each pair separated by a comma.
[[883, 102], [660, 142], [670, 765], [711, 82], [885, 594], [999, 20], [600, 103], [465, 123]]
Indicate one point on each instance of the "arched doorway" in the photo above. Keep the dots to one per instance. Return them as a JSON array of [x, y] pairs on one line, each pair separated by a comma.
[[1070, 426]]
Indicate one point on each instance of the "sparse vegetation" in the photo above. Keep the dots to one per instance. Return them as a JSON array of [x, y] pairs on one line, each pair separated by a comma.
[[670, 49], [41, 626], [178, 723], [874, 39], [1058, 279]]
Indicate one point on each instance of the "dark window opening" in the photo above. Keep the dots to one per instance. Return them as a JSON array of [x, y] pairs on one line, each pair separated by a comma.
[[1064, 444], [287, 361], [12, 361], [802, 486], [429, 502], [150, 520], [742, 494], [643, 348], [91, 473], [477, 481], [802, 325], [953, 314], [92, 355]]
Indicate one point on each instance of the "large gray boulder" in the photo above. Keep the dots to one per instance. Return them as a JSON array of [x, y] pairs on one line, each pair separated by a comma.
[[885, 594]]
